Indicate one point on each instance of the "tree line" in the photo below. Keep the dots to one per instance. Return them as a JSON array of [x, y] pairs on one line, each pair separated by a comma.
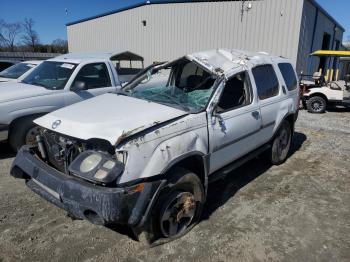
[[22, 36]]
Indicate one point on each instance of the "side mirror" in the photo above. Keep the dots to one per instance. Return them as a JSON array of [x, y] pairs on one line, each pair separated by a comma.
[[215, 112], [79, 86]]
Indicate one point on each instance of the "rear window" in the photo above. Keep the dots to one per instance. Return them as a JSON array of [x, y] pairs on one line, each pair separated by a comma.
[[288, 75], [266, 81]]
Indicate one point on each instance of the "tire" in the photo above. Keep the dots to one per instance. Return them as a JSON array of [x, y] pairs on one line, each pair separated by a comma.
[[23, 132], [177, 210], [316, 105], [281, 144]]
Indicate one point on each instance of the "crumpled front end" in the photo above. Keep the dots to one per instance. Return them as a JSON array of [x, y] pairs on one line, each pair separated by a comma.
[[96, 202]]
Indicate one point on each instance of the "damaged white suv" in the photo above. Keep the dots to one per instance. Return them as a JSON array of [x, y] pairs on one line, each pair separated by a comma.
[[144, 156]]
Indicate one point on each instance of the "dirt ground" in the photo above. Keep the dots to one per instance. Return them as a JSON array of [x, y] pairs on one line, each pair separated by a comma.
[[299, 211]]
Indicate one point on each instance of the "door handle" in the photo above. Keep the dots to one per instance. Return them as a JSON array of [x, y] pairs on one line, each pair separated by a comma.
[[256, 114]]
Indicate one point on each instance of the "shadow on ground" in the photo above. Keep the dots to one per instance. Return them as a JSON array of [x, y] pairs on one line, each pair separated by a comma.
[[221, 191], [338, 109], [5, 151]]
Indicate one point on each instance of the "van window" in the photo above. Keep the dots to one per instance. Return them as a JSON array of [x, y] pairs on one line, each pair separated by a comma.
[[288, 75], [266, 81]]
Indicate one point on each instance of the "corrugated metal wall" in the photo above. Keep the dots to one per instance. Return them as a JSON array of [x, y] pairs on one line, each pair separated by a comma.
[[313, 26], [173, 30]]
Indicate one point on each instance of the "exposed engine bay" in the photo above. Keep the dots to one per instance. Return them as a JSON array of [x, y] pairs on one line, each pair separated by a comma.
[[60, 151]]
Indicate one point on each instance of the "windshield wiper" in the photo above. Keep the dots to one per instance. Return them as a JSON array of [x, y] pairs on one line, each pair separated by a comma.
[[121, 92], [37, 84]]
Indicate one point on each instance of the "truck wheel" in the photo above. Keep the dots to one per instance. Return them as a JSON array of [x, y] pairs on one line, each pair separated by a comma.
[[281, 144], [23, 132], [316, 105], [177, 209]]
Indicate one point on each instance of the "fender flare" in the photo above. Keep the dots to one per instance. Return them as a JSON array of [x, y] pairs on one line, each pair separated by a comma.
[[279, 125]]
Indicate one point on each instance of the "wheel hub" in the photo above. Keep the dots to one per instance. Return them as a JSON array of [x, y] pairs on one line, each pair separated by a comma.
[[31, 136], [316, 106], [178, 214]]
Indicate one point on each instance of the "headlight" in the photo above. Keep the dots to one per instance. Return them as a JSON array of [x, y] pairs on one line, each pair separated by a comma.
[[90, 163], [96, 167]]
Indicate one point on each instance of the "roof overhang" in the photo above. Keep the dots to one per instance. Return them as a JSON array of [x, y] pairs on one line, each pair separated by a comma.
[[333, 53]]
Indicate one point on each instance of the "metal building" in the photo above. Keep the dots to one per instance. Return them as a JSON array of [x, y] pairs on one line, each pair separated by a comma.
[[162, 30]]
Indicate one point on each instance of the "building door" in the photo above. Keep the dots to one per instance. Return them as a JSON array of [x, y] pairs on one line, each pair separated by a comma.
[[325, 46]]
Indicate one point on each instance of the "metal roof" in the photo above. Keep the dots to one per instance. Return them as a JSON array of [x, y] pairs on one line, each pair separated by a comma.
[[23, 56], [155, 2], [231, 59]]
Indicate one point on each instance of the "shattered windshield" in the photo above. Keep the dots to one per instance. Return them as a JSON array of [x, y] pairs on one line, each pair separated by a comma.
[[183, 85], [16, 71], [51, 75]]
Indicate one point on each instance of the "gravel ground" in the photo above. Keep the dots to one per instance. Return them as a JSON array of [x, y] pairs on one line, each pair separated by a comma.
[[298, 211]]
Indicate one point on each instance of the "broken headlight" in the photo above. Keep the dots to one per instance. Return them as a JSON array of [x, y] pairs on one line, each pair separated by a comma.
[[96, 167]]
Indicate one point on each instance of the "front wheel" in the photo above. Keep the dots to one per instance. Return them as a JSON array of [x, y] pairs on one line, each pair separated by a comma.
[[281, 144], [23, 132], [316, 105], [177, 209]]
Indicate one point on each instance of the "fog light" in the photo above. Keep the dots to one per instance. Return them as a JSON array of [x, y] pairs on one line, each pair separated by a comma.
[[101, 174]]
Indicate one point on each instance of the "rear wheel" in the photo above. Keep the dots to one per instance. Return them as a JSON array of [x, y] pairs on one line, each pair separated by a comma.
[[23, 132], [281, 144], [177, 209], [316, 105]]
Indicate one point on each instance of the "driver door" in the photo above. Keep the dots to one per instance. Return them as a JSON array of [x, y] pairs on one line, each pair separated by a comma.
[[234, 130], [96, 78]]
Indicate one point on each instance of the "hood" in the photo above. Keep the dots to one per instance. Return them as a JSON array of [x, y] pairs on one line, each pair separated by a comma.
[[14, 91], [4, 80], [110, 117]]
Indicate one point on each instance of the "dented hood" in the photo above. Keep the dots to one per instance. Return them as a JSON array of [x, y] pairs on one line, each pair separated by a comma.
[[110, 117]]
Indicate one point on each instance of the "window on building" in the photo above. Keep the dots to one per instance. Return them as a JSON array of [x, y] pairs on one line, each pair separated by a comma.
[[288, 75], [266, 81], [94, 76]]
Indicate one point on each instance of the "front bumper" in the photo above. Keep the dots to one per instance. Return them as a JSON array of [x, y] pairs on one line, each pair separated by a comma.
[[4, 132], [97, 204]]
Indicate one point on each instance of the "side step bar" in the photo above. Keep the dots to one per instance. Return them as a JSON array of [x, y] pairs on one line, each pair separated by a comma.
[[223, 172]]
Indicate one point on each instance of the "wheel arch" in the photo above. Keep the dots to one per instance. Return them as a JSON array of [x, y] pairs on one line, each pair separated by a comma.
[[291, 119], [196, 162], [318, 94], [21, 118]]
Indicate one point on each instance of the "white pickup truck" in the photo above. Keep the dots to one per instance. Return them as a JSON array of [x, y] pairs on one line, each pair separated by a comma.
[[143, 156], [59, 82], [18, 71]]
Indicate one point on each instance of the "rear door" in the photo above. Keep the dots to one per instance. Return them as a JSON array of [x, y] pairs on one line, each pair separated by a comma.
[[234, 130], [270, 96], [290, 82], [97, 77]]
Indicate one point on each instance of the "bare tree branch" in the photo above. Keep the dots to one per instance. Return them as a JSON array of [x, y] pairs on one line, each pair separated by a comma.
[[30, 37], [9, 33], [60, 46]]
